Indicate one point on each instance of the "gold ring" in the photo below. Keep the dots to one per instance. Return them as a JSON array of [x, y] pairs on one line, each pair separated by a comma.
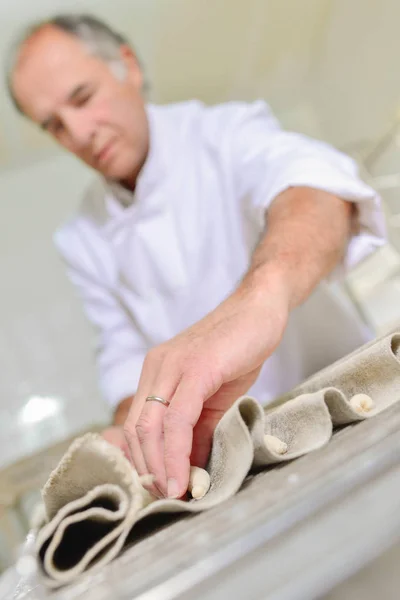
[[158, 399]]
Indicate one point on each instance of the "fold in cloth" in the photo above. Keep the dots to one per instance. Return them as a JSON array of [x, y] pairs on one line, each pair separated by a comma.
[[94, 498]]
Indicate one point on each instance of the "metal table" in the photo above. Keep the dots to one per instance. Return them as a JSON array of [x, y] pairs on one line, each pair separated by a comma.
[[293, 532]]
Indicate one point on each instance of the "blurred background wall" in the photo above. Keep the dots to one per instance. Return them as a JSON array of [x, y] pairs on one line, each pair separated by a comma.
[[329, 68]]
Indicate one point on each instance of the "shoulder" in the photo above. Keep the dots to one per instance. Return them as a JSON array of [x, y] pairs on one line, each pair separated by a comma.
[[217, 116], [221, 124], [233, 115]]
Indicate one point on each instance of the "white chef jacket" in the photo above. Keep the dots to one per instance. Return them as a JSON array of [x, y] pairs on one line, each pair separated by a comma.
[[151, 263]]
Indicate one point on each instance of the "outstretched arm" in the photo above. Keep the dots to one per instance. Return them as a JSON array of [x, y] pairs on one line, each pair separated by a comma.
[[204, 369]]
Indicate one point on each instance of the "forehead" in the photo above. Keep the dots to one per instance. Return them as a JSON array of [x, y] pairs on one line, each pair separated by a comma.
[[49, 65]]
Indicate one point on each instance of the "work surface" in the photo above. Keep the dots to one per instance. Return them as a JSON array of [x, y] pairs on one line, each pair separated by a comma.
[[292, 532]]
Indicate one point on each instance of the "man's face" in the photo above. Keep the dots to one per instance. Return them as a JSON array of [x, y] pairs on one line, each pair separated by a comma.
[[76, 97]]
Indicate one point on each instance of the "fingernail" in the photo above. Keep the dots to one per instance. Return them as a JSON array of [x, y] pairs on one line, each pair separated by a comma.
[[173, 489]]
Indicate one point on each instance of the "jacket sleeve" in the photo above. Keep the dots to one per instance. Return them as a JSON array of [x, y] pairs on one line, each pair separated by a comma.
[[120, 347], [265, 160]]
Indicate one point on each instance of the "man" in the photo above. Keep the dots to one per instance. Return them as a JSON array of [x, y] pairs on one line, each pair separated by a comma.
[[197, 251]]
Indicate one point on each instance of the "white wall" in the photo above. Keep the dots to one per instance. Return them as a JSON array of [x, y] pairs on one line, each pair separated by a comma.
[[356, 74], [45, 342]]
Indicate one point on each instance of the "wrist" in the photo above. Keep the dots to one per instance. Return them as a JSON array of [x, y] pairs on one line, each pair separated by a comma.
[[269, 287]]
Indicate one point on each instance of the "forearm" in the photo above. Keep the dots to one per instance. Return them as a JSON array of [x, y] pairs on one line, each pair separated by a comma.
[[306, 236]]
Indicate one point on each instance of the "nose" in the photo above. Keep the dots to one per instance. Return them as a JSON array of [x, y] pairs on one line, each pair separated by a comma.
[[80, 128]]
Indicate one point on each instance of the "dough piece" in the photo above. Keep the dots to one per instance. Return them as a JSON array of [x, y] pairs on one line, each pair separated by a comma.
[[146, 480], [362, 403], [275, 444], [199, 482]]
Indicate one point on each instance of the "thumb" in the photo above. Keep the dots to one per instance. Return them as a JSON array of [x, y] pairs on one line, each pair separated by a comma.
[[213, 410], [203, 436]]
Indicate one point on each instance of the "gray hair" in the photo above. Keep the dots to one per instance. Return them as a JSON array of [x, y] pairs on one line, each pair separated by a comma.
[[98, 37]]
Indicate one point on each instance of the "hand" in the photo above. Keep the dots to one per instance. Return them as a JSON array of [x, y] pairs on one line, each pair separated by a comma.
[[115, 436], [201, 372], [115, 433]]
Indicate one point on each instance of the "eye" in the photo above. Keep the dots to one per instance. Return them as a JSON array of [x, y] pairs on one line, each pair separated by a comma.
[[82, 98], [55, 128]]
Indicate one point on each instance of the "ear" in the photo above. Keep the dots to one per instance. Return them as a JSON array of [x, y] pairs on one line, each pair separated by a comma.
[[133, 69], [118, 69]]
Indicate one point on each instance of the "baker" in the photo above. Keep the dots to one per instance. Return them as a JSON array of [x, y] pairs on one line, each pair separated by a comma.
[[203, 249]]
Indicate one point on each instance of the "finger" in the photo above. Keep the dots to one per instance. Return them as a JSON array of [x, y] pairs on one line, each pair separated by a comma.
[[135, 451], [145, 422], [137, 458], [149, 430], [148, 480], [203, 436], [160, 382], [211, 416], [179, 421]]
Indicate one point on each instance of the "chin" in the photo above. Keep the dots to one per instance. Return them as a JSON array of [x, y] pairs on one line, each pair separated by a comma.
[[121, 169]]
